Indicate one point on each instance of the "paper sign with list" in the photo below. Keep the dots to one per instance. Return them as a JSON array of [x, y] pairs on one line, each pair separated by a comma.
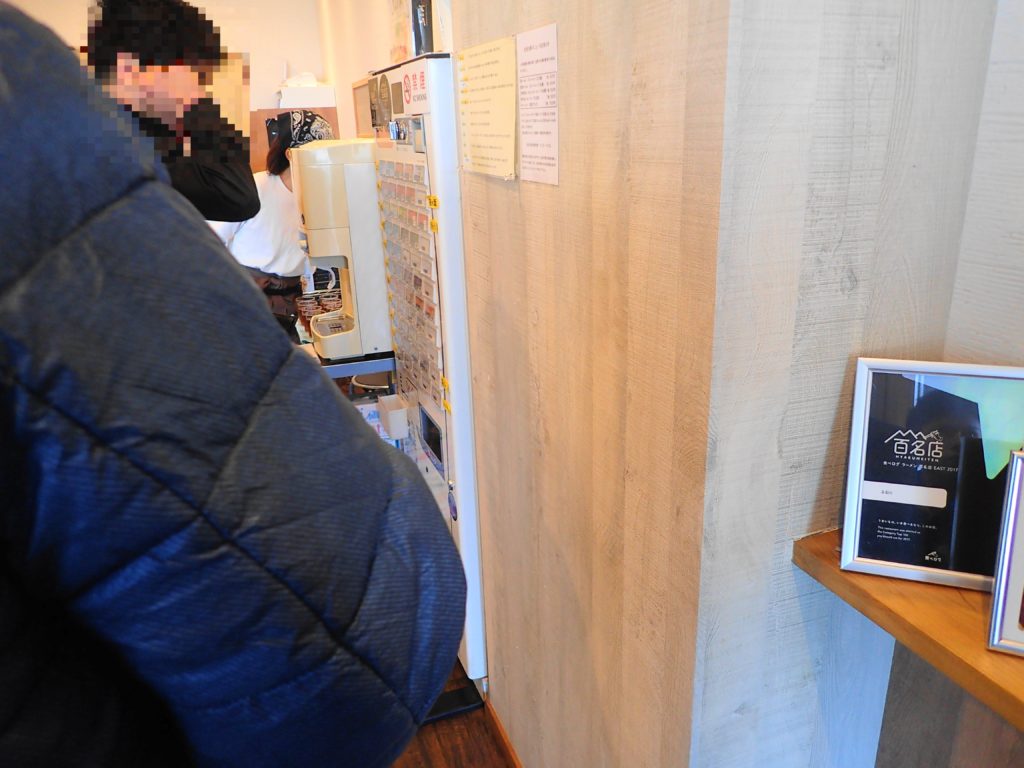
[[487, 108], [537, 56]]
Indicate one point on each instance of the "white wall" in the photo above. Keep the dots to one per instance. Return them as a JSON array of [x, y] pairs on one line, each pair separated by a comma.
[[279, 42], [68, 18], [356, 38]]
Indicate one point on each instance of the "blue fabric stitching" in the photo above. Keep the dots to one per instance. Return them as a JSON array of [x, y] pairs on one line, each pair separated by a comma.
[[201, 511], [202, 515]]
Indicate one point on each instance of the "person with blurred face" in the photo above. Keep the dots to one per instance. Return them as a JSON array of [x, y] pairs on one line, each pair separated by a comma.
[[268, 245], [155, 57], [208, 559]]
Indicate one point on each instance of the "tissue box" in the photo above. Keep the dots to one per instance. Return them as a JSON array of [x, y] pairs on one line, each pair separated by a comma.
[[388, 420], [307, 97], [394, 416]]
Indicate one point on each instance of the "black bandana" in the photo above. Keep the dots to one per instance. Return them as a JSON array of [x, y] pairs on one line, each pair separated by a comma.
[[308, 126], [301, 126]]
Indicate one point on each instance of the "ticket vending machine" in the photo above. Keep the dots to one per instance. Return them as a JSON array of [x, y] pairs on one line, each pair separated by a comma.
[[414, 114]]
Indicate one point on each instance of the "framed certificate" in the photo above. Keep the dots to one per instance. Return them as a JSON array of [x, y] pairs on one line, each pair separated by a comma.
[[1007, 631], [930, 444]]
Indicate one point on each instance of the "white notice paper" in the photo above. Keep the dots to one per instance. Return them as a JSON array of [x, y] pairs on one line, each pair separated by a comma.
[[487, 108], [537, 52]]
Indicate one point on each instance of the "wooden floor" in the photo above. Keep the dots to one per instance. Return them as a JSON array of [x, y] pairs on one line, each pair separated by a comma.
[[472, 740]]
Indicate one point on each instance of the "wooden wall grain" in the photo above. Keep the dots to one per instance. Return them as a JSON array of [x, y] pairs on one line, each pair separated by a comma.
[[928, 720], [591, 310], [848, 147], [631, 371], [986, 324]]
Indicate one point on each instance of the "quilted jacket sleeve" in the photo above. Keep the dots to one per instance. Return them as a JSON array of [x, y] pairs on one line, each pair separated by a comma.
[[177, 477]]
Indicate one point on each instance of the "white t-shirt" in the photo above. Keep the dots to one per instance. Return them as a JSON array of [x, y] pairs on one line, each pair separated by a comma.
[[269, 241]]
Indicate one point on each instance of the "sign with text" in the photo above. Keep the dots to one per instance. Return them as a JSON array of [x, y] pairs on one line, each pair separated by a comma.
[[929, 447], [537, 57], [487, 107]]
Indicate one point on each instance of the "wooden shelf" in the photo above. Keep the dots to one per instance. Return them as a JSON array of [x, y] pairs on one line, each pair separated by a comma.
[[946, 626]]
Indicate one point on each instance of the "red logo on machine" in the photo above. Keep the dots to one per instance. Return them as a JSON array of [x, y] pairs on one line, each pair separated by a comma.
[[407, 89]]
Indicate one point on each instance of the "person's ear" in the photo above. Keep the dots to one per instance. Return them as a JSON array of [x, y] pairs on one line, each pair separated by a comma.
[[288, 154], [126, 68]]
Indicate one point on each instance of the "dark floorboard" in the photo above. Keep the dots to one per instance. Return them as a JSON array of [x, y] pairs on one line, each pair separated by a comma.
[[462, 741]]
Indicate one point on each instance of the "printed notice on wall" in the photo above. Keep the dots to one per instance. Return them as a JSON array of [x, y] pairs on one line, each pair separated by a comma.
[[487, 108], [401, 31], [537, 52]]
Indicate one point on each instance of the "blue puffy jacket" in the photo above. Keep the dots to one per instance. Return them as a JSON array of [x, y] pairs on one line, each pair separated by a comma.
[[206, 556]]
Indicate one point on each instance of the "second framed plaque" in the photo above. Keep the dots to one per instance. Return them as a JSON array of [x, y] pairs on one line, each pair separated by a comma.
[[1007, 628], [929, 449]]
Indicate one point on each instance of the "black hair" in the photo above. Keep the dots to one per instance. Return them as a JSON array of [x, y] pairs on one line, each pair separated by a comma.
[[279, 136], [157, 32], [277, 161]]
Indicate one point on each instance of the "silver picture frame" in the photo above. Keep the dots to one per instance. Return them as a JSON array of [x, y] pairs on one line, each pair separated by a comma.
[[933, 516], [1007, 628]]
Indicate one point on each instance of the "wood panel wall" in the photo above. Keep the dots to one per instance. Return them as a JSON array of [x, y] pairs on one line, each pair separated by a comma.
[[591, 308], [928, 720], [632, 372], [986, 324], [848, 147]]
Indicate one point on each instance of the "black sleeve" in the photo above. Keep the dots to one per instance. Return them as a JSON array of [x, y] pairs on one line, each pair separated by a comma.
[[74, 703], [216, 177]]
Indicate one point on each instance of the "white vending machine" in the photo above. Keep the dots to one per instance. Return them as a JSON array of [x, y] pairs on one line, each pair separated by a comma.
[[414, 114], [334, 187]]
